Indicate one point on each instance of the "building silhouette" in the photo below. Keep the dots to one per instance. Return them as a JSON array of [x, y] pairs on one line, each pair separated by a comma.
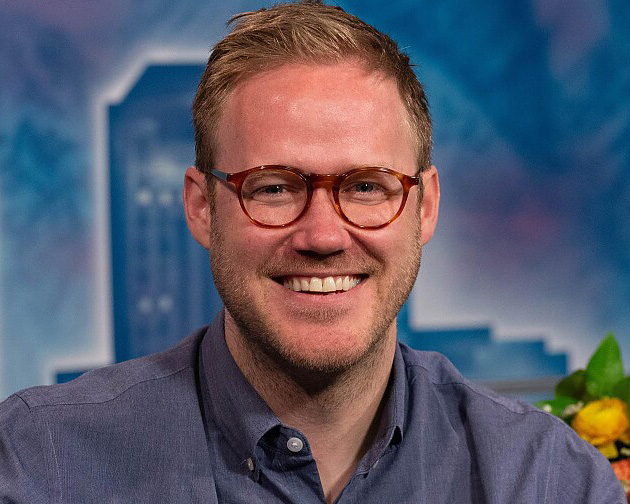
[[162, 285]]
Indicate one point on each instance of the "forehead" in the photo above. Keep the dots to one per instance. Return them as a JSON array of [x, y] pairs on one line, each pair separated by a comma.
[[340, 109]]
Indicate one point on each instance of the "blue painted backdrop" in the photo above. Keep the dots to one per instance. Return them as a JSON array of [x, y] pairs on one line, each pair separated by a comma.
[[531, 104]]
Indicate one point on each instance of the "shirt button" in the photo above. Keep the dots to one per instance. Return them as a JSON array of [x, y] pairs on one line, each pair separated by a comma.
[[250, 464], [295, 444]]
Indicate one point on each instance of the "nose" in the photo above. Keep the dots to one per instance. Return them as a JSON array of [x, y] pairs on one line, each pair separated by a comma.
[[321, 229]]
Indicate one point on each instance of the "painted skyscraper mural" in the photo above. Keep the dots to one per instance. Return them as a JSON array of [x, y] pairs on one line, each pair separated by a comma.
[[530, 264]]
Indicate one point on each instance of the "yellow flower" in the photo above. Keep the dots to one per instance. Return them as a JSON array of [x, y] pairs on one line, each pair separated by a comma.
[[602, 422]]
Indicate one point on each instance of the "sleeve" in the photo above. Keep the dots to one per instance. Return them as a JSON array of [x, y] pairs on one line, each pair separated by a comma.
[[23, 462], [583, 475]]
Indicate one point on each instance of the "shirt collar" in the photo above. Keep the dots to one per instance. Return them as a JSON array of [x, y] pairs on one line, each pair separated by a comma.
[[244, 417], [391, 427], [240, 413]]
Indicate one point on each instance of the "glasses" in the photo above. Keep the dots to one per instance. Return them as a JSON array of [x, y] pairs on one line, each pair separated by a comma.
[[275, 196]]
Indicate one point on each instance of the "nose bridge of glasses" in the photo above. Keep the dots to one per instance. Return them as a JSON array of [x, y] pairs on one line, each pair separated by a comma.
[[316, 181], [324, 181]]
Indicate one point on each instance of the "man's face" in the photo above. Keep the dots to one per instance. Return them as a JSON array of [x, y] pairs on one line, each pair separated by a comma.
[[324, 120]]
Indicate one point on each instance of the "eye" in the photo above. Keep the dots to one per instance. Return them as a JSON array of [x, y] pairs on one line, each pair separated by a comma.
[[272, 189], [369, 187], [272, 186], [274, 193], [364, 187]]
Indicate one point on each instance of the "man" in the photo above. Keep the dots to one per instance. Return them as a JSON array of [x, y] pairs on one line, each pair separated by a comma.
[[314, 194]]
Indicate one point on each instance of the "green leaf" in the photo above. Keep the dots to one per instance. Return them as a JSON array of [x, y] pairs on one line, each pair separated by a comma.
[[621, 389], [556, 406], [605, 369], [573, 385]]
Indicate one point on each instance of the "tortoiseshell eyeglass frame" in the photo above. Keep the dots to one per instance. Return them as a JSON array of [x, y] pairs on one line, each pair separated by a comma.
[[313, 181]]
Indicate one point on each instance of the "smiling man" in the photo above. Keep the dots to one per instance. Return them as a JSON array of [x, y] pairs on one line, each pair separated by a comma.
[[282, 275], [319, 268], [314, 194]]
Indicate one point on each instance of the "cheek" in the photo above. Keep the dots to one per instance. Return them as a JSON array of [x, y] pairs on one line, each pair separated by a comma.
[[402, 238], [228, 223], [402, 250], [237, 242]]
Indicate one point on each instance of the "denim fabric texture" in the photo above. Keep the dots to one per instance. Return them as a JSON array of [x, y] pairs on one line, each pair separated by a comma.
[[184, 426]]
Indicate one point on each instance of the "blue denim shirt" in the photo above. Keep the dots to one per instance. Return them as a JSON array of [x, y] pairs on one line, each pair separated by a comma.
[[184, 426]]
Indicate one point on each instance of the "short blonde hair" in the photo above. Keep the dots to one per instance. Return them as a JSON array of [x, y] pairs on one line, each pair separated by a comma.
[[306, 32]]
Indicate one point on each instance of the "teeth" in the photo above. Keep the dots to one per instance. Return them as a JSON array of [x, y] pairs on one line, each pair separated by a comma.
[[329, 284], [326, 284], [316, 285], [296, 285], [346, 283]]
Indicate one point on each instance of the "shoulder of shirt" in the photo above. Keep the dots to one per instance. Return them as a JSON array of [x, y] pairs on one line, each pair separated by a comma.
[[107, 383], [501, 423], [448, 381], [488, 413]]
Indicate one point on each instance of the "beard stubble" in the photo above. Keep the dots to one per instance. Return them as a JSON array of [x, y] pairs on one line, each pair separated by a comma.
[[260, 336]]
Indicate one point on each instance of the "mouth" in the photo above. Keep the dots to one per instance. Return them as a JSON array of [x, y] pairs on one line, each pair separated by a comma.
[[320, 285]]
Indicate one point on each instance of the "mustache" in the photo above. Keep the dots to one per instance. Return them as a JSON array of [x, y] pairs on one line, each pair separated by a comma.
[[315, 263]]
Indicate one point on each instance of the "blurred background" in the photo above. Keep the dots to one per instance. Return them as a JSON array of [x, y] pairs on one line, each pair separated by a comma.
[[530, 264]]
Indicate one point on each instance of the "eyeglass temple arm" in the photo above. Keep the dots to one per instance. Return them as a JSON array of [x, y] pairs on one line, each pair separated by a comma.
[[219, 174]]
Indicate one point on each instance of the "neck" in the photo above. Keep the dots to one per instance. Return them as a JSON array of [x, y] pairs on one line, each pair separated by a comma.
[[339, 413]]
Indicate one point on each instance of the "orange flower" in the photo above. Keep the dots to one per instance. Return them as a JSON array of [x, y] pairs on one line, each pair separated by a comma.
[[603, 422], [622, 470]]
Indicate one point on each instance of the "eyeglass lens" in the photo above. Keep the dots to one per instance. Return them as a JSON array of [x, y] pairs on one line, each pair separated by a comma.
[[277, 197]]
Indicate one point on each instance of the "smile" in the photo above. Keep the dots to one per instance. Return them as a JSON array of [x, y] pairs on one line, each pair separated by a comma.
[[321, 284]]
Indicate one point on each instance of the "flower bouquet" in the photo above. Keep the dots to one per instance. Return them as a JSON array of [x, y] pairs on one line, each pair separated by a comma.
[[595, 401]]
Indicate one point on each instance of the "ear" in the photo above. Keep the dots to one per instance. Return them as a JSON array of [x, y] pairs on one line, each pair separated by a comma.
[[197, 206], [430, 204]]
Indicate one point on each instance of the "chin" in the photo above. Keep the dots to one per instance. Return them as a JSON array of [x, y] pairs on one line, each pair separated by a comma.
[[322, 351]]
